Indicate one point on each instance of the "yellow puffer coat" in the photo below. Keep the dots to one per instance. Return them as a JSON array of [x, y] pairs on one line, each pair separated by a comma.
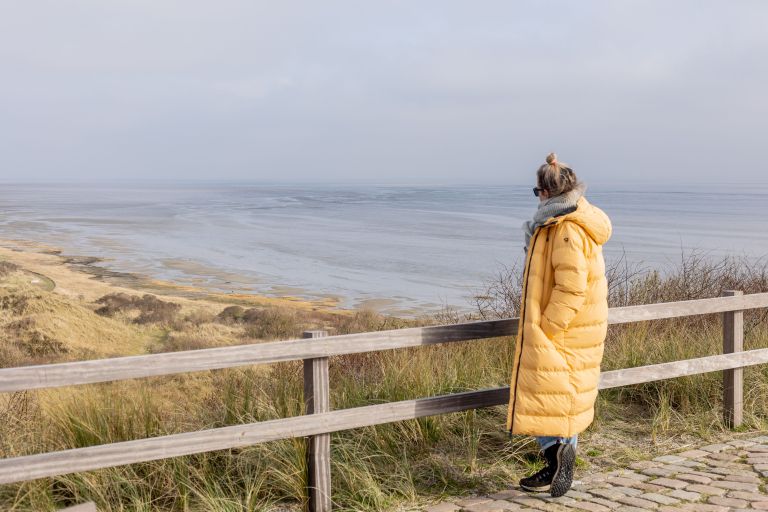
[[563, 321]]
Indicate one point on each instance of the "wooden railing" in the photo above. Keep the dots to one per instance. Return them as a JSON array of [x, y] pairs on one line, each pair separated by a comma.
[[319, 421]]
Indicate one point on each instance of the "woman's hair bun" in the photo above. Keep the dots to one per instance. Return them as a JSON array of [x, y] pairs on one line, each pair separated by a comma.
[[552, 159]]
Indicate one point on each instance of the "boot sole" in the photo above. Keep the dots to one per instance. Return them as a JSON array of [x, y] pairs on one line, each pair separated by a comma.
[[543, 488], [563, 478]]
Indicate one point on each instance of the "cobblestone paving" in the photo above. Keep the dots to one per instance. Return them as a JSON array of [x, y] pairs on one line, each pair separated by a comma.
[[714, 478]]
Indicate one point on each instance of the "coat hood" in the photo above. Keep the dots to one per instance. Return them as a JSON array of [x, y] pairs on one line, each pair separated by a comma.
[[594, 220]]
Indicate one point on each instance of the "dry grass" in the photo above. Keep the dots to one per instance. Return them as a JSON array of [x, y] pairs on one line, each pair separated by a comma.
[[375, 468]]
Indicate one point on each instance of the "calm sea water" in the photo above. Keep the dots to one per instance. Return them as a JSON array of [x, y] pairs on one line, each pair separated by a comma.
[[415, 246]]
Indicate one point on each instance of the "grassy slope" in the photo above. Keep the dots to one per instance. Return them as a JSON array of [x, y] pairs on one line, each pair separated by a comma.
[[375, 468]]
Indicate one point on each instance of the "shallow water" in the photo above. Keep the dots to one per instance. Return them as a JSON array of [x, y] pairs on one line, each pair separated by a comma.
[[396, 247]]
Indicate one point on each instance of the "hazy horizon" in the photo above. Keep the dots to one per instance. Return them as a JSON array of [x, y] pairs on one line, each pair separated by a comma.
[[429, 92]]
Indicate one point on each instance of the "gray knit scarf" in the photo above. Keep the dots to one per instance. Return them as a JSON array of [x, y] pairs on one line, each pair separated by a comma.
[[552, 207]]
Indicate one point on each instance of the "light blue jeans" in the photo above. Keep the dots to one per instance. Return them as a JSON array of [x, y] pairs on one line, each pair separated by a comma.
[[547, 441]]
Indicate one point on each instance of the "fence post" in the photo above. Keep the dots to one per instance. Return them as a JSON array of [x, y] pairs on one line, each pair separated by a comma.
[[733, 380], [317, 399]]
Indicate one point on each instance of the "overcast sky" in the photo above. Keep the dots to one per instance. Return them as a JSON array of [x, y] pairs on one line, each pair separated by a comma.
[[385, 91]]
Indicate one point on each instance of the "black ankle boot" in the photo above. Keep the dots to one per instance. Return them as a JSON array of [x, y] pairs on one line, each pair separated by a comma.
[[557, 476]]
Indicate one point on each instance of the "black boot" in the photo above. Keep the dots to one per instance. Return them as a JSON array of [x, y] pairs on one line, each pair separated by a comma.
[[557, 476]]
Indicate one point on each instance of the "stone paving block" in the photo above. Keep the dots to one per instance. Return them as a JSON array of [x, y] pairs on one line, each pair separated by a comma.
[[637, 502], [725, 457], [589, 507], [693, 478], [676, 468], [693, 454], [671, 459], [707, 474], [627, 508], [577, 494], [465, 502], [669, 482], [731, 471], [749, 496], [642, 464], [703, 507], [734, 486], [659, 498], [741, 443], [750, 479], [691, 463], [530, 502], [506, 494], [760, 505], [491, 506], [602, 501], [685, 495], [562, 500], [728, 502], [443, 507], [758, 439], [608, 494], [705, 489], [629, 491], [621, 481], [657, 471], [626, 473], [716, 448]]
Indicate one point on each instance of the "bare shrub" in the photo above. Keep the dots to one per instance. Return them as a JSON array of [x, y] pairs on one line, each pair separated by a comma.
[[7, 268], [274, 323], [149, 308], [33, 341], [16, 303], [231, 315], [252, 315], [501, 295]]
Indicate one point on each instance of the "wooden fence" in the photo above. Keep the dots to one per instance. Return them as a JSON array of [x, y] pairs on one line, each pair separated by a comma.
[[319, 421]]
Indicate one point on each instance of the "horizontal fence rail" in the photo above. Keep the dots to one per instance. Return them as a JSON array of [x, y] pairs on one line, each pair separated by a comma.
[[109, 455], [170, 363]]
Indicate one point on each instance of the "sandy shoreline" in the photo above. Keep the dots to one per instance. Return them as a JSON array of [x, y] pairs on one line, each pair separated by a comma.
[[86, 277]]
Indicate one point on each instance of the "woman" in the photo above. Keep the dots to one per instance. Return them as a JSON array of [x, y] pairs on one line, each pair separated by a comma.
[[563, 321]]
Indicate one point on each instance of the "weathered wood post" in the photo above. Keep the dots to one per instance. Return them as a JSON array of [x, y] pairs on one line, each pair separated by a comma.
[[317, 399], [733, 380]]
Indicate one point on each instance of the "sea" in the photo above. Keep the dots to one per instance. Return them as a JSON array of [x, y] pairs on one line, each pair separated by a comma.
[[400, 249]]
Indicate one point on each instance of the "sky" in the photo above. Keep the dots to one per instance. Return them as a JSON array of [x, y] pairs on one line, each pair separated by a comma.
[[429, 91]]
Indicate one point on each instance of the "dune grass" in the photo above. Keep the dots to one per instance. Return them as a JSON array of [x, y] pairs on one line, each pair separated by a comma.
[[373, 468]]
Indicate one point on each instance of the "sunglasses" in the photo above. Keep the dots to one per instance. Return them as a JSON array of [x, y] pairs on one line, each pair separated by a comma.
[[536, 191]]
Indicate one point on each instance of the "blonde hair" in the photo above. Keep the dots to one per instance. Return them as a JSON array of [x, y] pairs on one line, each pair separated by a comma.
[[556, 177]]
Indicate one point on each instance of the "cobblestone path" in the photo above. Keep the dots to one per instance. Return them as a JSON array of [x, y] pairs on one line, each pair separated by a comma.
[[713, 478]]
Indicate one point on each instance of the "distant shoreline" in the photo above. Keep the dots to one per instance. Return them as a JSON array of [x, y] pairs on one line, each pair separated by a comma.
[[84, 275]]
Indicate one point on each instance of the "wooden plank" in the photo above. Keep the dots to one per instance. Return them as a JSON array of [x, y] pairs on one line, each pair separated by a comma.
[[651, 373], [733, 380], [83, 507], [686, 308], [105, 370], [19, 469], [317, 399]]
